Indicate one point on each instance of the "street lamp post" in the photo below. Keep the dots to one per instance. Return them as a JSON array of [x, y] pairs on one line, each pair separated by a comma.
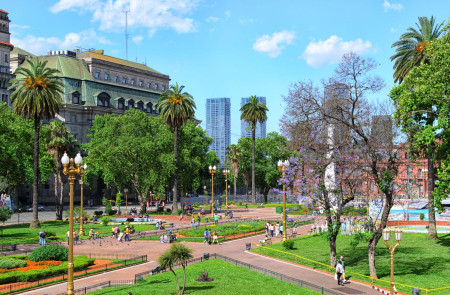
[[282, 166], [72, 171], [125, 190], [226, 172], [82, 172], [212, 170], [398, 238]]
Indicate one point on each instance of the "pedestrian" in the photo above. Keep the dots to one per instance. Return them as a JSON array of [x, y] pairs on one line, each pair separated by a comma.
[[91, 234], [205, 235], [281, 229], [271, 228], [75, 237], [116, 232], [41, 234], [198, 220], [209, 236], [215, 238], [246, 206], [343, 267], [127, 234], [216, 219], [68, 235], [267, 228], [277, 229], [339, 272], [193, 222]]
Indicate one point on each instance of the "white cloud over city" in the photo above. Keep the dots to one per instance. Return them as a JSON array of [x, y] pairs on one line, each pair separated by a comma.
[[40, 45], [275, 43], [392, 6], [149, 14], [331, 50]]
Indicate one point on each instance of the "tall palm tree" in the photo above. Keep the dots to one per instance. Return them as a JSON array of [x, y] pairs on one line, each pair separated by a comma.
[[410, 49], [252, 112], [36, 96], [234, 156], [58, 139], [176, 108], [410, 53]]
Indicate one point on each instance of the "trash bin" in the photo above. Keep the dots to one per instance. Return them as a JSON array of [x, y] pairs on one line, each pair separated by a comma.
[[248, 246], [13, 247], [206, 256], [415, 291]]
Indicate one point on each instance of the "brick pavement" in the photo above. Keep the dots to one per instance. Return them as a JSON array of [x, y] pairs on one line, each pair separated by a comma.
[[233, 249]]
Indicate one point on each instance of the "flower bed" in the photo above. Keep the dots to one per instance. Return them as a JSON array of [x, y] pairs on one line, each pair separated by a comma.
[[31, 265]]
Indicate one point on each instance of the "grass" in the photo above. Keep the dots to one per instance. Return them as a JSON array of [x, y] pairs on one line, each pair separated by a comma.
[[22, 234], [226, 229], [228, 280], [418, 262]]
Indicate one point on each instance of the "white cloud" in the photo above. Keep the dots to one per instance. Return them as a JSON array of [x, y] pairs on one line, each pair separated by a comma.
[[227, 14], [150, 14], [246, 21], [212, 19], [16, 26], [272, 45], [331, 50], [40, 45], [137, 39], [392, 6]]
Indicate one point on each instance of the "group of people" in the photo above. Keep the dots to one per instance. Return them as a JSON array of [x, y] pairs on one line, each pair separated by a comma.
[[75, 237], [210, 239], [125, 236], [340, 271], [274, 229]]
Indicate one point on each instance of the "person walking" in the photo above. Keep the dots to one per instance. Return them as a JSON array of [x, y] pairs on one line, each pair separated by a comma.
[[205, 235], [216, 219], [42, 237], [116, 232], [215, 238], [277, 229], [272, 228], [198, 220], [343, 267], [41, 233], [193, 222], [127, 234], [246, 207], [339, 272], [209, 236], [281, 230], [267, 228]]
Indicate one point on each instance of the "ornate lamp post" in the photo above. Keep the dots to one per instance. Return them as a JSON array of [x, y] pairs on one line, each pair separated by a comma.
[[226, 172], [82, 172], [125, 190], [282, 166], [398, 238], [212, 170], [72, 171]]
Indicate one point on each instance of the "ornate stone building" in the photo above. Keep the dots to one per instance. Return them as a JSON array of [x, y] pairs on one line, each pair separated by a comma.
[[5, 49]]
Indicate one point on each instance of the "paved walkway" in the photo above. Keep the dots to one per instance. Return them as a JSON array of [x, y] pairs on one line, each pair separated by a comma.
[[233, 249]]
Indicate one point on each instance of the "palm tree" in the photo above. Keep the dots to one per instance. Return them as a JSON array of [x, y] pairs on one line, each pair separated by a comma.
[[58, 139], [176, 108], [36, 96], [177, 253], [252, 112], [410, 51], [234, 156]]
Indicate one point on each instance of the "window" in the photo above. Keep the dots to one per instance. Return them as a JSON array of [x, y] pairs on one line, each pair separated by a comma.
[[420, 173], [163, 87], [106, 76], [6, 58], [133, 82], [149, 107], [121, 104], [73, 118], [124, 80], [149, 85], [97, 74], [77, 84], [103, 100], [5, 98], [116, 79], [75, 97], [156, 86], [141, 84], [140, 106], [130, 104]]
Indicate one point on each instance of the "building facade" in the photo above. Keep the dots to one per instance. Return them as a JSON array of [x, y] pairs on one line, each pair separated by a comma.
[[218, 125], [5, 50], [260, 131]]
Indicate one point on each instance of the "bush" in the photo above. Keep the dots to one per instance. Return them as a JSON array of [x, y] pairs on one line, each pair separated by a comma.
[[288, 244], [8, 263], [230, 202], [168, 210], [111, 212], [105, 221], [51, 236], [179, 211], [98, 213], [50, 252], [196, 205], [160, 209], [240, 203], [422, 216]]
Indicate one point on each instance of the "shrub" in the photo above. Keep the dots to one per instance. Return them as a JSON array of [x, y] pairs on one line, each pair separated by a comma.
[[51, 236], [230, 202], [179, 211], [422, 216], [50, 252], [105, 221], [204, 277], [168, 210], [8, 263], [196, 205], [160, 209], [111, 212], [288, 244], [98, 213], [240, 203]]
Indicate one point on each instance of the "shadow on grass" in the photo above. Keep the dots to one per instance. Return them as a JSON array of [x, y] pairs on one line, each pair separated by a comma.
[[187, 289], [444, 240], [158, 282]]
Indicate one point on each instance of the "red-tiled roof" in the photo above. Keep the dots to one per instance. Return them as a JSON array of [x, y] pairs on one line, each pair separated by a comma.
[[3, 11], [6, 43]]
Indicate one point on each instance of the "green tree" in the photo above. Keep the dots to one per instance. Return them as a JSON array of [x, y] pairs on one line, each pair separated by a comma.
[[177, 253], [176, 108], [422, 109], [58, 139], [5, 214], [118, 201], [234, 157], [36, 96], [410, 49], [131, 149], [252, 113]]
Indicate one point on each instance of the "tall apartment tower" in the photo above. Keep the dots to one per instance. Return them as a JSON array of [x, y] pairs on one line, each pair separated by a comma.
[[218, 125], [246, 130], [5, 49]]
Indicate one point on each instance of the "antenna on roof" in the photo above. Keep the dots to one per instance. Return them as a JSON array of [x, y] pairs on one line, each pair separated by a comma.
[[126, 10]]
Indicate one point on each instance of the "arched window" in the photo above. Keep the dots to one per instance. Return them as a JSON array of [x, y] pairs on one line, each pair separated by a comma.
[[75, 97], [121, 103], [140, 105], [103, 100], [130, 104], [149, 107]]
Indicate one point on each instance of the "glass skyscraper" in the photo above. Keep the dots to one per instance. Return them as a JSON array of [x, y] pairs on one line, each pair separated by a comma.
[[260, 131], [218, 125]]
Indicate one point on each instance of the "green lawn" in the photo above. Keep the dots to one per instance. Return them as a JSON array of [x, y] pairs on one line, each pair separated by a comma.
[[228, 279], [226, 229], [22, 234], [418, 262]]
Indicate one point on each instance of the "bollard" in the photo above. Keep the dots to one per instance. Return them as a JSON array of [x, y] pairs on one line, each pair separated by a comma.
[[415, 291]]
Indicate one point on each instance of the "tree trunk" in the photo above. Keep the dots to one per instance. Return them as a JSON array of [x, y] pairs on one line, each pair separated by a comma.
[[35, 221], [432, 233], [184, 279], [253, 166], [176, 279], [372, 267], [59, 196], [175, 174], [235, 184], [333, 252]]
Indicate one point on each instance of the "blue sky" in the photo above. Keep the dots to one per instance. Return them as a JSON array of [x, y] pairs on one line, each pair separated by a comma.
[[226, 48]]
